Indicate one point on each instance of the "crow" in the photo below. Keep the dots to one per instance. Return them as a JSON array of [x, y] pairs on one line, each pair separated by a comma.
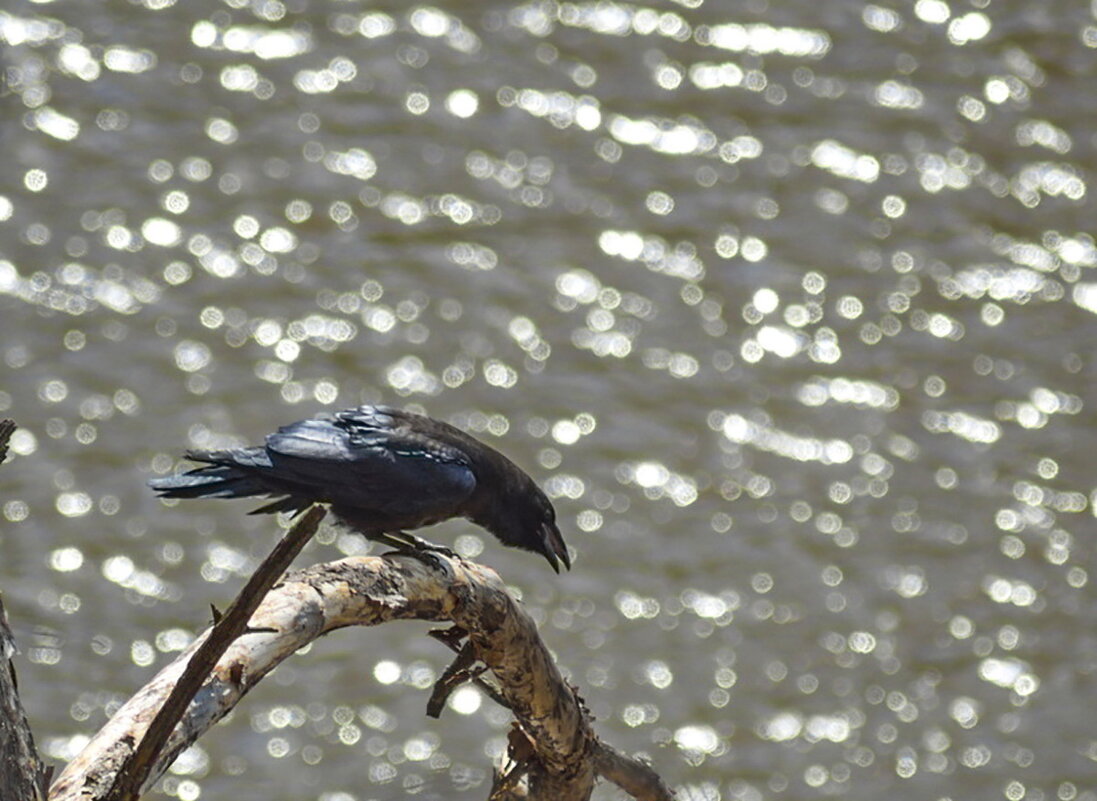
[[383, 471]]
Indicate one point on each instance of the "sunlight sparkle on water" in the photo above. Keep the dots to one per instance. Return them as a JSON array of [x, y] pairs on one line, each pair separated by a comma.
[[1084, 296], [663, 136], [462, 103], [387, 671], [191, 356], [782, 727], [355, 162], [934, 12], [881, 19], [659, 482], [375, 24], [845, 162], [74, 504], [705, 75], [697, 738], [176, 201], [266, 43], [765, 300], [66, 559], [864, 394], [781, 341], [409, 376], [971, 27], [762, 39], [740, 430], [894, 94], [239, 78], [1012, 674], [124, 59], [962, 424], [159, 231], [77, 60], [561, 108], [53, 123]]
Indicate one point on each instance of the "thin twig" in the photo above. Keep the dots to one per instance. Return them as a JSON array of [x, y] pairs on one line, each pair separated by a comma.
[[636, 778], [452, 640], [453, 677], [135, 769]]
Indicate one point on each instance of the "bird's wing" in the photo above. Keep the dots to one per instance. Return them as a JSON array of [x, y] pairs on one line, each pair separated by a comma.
[[373, 462]]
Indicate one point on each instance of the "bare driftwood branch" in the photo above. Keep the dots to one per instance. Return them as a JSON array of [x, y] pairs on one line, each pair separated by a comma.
[[553, 749], [134, 770], [23, 777]]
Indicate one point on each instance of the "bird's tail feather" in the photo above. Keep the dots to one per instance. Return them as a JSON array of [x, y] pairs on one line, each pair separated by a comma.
[[237, 473], [228, 474], [209, 482]]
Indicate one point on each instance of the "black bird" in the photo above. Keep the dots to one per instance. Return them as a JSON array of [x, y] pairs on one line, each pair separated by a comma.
[[383, 470]]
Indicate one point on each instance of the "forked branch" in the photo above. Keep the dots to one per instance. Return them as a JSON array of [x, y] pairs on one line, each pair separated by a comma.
[[554, 744]]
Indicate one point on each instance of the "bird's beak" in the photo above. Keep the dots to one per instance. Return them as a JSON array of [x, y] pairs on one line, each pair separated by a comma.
[[555, 549]]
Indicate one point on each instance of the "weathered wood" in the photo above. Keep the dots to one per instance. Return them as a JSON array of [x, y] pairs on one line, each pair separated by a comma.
[[558, 762], [23, 777]]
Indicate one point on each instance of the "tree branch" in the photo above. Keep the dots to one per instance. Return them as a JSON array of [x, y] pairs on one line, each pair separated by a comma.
[[554, 746]]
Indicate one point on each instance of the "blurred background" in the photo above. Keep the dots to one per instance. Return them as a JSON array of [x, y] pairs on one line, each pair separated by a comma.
[[790, 308]]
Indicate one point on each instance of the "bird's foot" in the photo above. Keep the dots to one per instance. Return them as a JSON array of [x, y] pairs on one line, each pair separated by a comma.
[[433, 556], [402, 542], [435, 548]]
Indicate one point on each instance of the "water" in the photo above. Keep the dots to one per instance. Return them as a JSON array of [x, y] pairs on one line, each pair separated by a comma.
[[790, 307]]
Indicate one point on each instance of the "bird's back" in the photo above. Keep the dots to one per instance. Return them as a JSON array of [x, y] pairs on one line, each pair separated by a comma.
[[378, 469]]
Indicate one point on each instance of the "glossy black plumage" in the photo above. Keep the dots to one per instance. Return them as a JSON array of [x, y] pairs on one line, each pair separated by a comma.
[[383, 471]]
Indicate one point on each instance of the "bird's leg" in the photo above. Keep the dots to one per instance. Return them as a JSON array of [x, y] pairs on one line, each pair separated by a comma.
[[384, 538], [403, 541], [419, 548], [426, 545]]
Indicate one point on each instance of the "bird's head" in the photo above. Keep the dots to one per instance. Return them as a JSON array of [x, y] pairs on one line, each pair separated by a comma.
[[525, 519]]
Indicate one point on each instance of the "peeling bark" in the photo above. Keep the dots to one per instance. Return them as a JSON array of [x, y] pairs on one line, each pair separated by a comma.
[[554, 750]]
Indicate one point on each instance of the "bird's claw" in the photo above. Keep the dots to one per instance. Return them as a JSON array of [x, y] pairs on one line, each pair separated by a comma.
[[432, 555], [402, 542], [442, 549]]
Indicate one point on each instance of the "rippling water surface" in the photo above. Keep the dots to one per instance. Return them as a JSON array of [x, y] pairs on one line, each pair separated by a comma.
[[790, 307]]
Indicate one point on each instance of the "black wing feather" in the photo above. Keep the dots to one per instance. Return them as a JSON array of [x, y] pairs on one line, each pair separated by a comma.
[[369, 463], [357, 465]]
